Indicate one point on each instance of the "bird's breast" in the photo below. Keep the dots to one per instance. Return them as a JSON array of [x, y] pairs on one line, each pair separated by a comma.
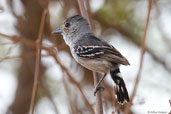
[[93, 64]]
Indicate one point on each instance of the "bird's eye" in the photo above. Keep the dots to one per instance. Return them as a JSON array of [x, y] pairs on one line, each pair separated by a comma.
[[67, 24]]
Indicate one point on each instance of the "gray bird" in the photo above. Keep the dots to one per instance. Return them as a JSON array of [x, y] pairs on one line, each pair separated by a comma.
[[94, 53]]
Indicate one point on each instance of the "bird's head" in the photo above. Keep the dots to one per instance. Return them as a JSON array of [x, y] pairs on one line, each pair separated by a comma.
[[73, 28]]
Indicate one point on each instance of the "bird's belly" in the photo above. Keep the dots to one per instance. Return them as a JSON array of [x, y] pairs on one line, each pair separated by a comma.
[[96, 65]]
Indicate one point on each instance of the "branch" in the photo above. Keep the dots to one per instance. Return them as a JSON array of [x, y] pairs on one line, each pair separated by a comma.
[[23, 56], [84, 13], [38, 59], [141, 58], [99, 104], [70, 101], [22, 40], [72, 80], [47, 92], [51, 52], [170, 105], [32, 44]]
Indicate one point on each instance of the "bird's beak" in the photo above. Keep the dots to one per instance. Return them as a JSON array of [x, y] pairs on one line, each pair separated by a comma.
[[57, 31]]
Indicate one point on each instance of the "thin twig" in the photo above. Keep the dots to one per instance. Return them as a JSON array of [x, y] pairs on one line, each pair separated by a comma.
[[26, 42], [31, 44], [51, 52], [141, 57], [131, 37], [83, 10], [68, 92], [74, 82], [47, 92], [170, 105], [23, 56], [99, 104], [38, 59]]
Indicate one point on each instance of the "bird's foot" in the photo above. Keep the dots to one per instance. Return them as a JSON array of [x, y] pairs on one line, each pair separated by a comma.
[[97, 88]]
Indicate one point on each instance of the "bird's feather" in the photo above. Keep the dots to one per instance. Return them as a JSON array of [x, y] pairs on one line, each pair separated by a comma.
[[99, 50]]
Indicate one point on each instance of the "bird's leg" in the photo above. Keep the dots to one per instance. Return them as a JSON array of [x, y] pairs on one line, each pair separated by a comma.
[[97, 87]]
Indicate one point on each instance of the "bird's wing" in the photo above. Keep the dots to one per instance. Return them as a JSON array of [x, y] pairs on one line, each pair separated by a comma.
[[105, 52]]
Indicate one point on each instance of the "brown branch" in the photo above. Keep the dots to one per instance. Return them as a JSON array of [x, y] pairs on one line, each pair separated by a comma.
[[74, 82], [32, 44], [131, 37], [7, 43], [51, 52], [99, 104], [38, 59], [47, 92], [26, 42], [23, 56], [170, 105], [16, 39], [141, 57], [70, 101], [83, 11]]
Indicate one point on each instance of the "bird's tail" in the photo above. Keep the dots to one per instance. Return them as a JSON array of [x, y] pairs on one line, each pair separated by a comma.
[[120, 88]]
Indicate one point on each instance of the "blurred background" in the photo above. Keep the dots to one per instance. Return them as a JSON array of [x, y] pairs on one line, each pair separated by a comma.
[[67, 88]]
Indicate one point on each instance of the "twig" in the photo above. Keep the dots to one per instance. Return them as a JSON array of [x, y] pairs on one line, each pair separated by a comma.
[[31, 44], [26, 42], [133, 38], [74, 82], [23, 56], [141, 58], [47, 92], [70, 101], [99, 104], [84, 13], [38, 59], [170, 105], [51, 52]]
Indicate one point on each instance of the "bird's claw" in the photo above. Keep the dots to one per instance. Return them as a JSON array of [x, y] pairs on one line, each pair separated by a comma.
[[96, 89]]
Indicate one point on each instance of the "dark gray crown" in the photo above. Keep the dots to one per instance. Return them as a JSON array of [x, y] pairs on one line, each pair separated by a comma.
[[76, 18]]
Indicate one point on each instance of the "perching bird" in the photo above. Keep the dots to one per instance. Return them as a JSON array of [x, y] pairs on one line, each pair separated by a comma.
[[93, 53]]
